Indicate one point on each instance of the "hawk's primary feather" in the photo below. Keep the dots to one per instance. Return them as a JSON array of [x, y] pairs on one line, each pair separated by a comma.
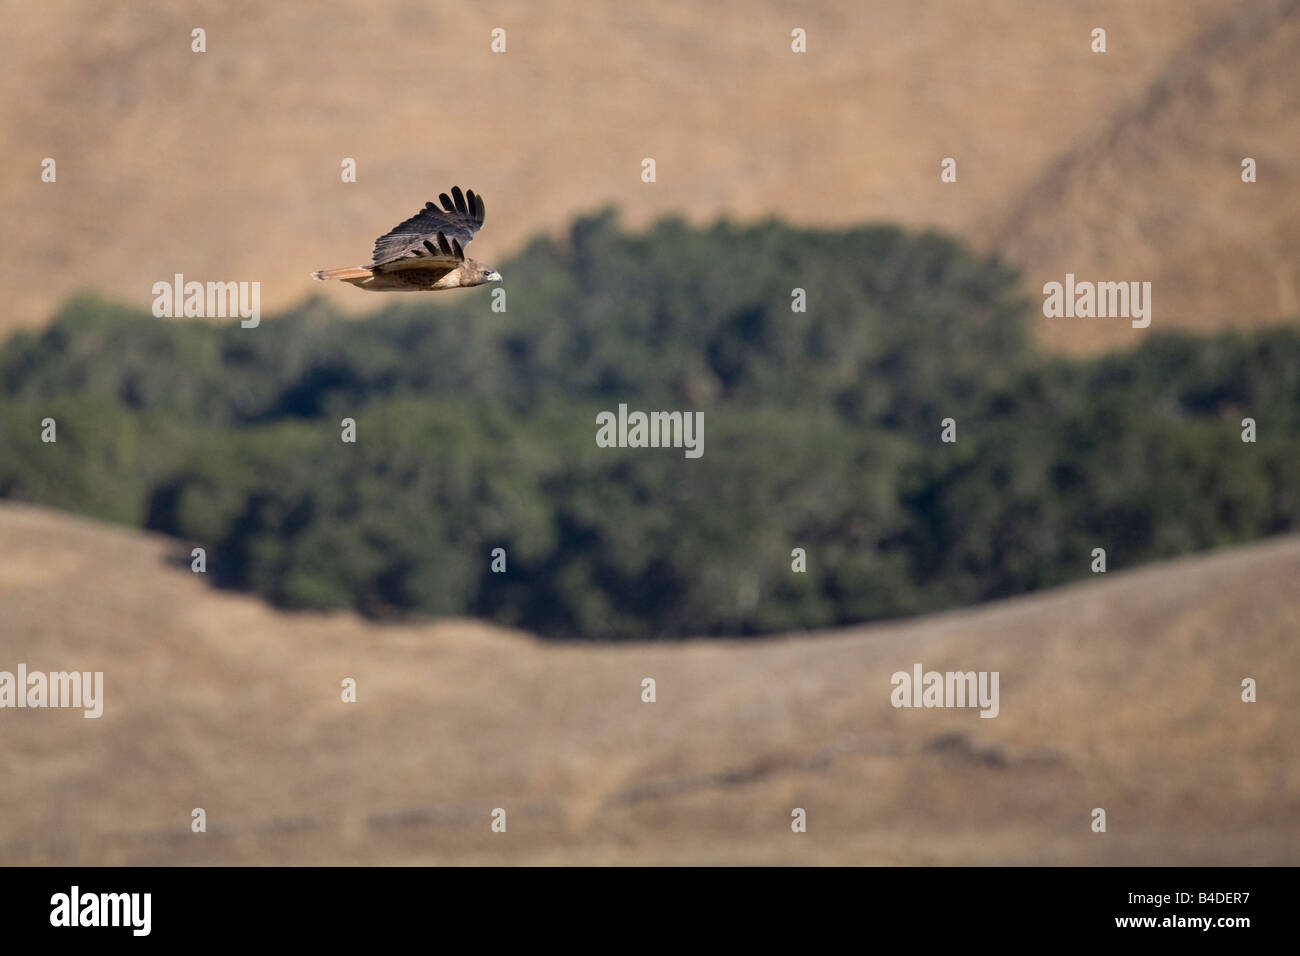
[[433, 235]]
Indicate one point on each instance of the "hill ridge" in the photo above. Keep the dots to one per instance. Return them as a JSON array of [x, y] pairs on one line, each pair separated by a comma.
[[1122, 693]]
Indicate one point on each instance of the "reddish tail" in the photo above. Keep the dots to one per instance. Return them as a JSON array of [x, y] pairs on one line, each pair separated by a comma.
[[351, 272]]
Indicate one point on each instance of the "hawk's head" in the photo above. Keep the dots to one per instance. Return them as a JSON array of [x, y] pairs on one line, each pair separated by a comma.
[[476, 273]]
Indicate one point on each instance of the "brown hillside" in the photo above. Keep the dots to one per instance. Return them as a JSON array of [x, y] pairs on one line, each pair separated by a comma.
[[1157, 194], [225, 165], [1123, 694]]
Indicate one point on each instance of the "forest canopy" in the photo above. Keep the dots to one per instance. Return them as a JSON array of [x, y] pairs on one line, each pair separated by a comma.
[[476, 430]]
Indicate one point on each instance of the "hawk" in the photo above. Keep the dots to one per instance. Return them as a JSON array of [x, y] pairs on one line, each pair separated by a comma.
[[426, 252]]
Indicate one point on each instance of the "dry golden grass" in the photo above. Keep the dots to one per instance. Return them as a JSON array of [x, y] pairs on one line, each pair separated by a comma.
[[1157, 195], [225, 165], [1121, 693]]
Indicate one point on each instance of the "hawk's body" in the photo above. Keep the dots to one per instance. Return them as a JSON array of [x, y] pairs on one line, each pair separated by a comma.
[[426, 252]]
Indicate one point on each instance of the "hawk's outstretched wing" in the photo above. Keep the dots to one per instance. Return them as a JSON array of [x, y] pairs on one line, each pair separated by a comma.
[[433, 236]]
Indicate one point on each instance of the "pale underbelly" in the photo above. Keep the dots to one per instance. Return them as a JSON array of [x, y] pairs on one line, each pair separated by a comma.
[[408, 280]]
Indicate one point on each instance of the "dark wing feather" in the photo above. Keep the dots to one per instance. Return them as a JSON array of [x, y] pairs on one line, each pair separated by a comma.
[[434, 233]]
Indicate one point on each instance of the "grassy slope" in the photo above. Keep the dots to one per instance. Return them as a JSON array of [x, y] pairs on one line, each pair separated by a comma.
[[225, 165], [1120, 693], [1156, 194]]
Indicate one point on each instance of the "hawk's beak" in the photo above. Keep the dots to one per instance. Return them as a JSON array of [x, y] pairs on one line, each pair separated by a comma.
[[494, 277]]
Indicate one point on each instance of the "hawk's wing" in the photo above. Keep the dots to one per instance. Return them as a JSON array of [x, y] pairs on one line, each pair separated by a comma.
[[433, 236]]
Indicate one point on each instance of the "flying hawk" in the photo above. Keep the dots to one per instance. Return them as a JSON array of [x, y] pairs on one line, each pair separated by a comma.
[[426, 252]]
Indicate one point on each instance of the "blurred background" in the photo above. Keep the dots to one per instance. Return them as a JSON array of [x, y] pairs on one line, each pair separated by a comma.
[[775, 170]]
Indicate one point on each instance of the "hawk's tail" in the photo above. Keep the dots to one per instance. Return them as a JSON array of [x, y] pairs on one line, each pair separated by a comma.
[[351, 272]]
